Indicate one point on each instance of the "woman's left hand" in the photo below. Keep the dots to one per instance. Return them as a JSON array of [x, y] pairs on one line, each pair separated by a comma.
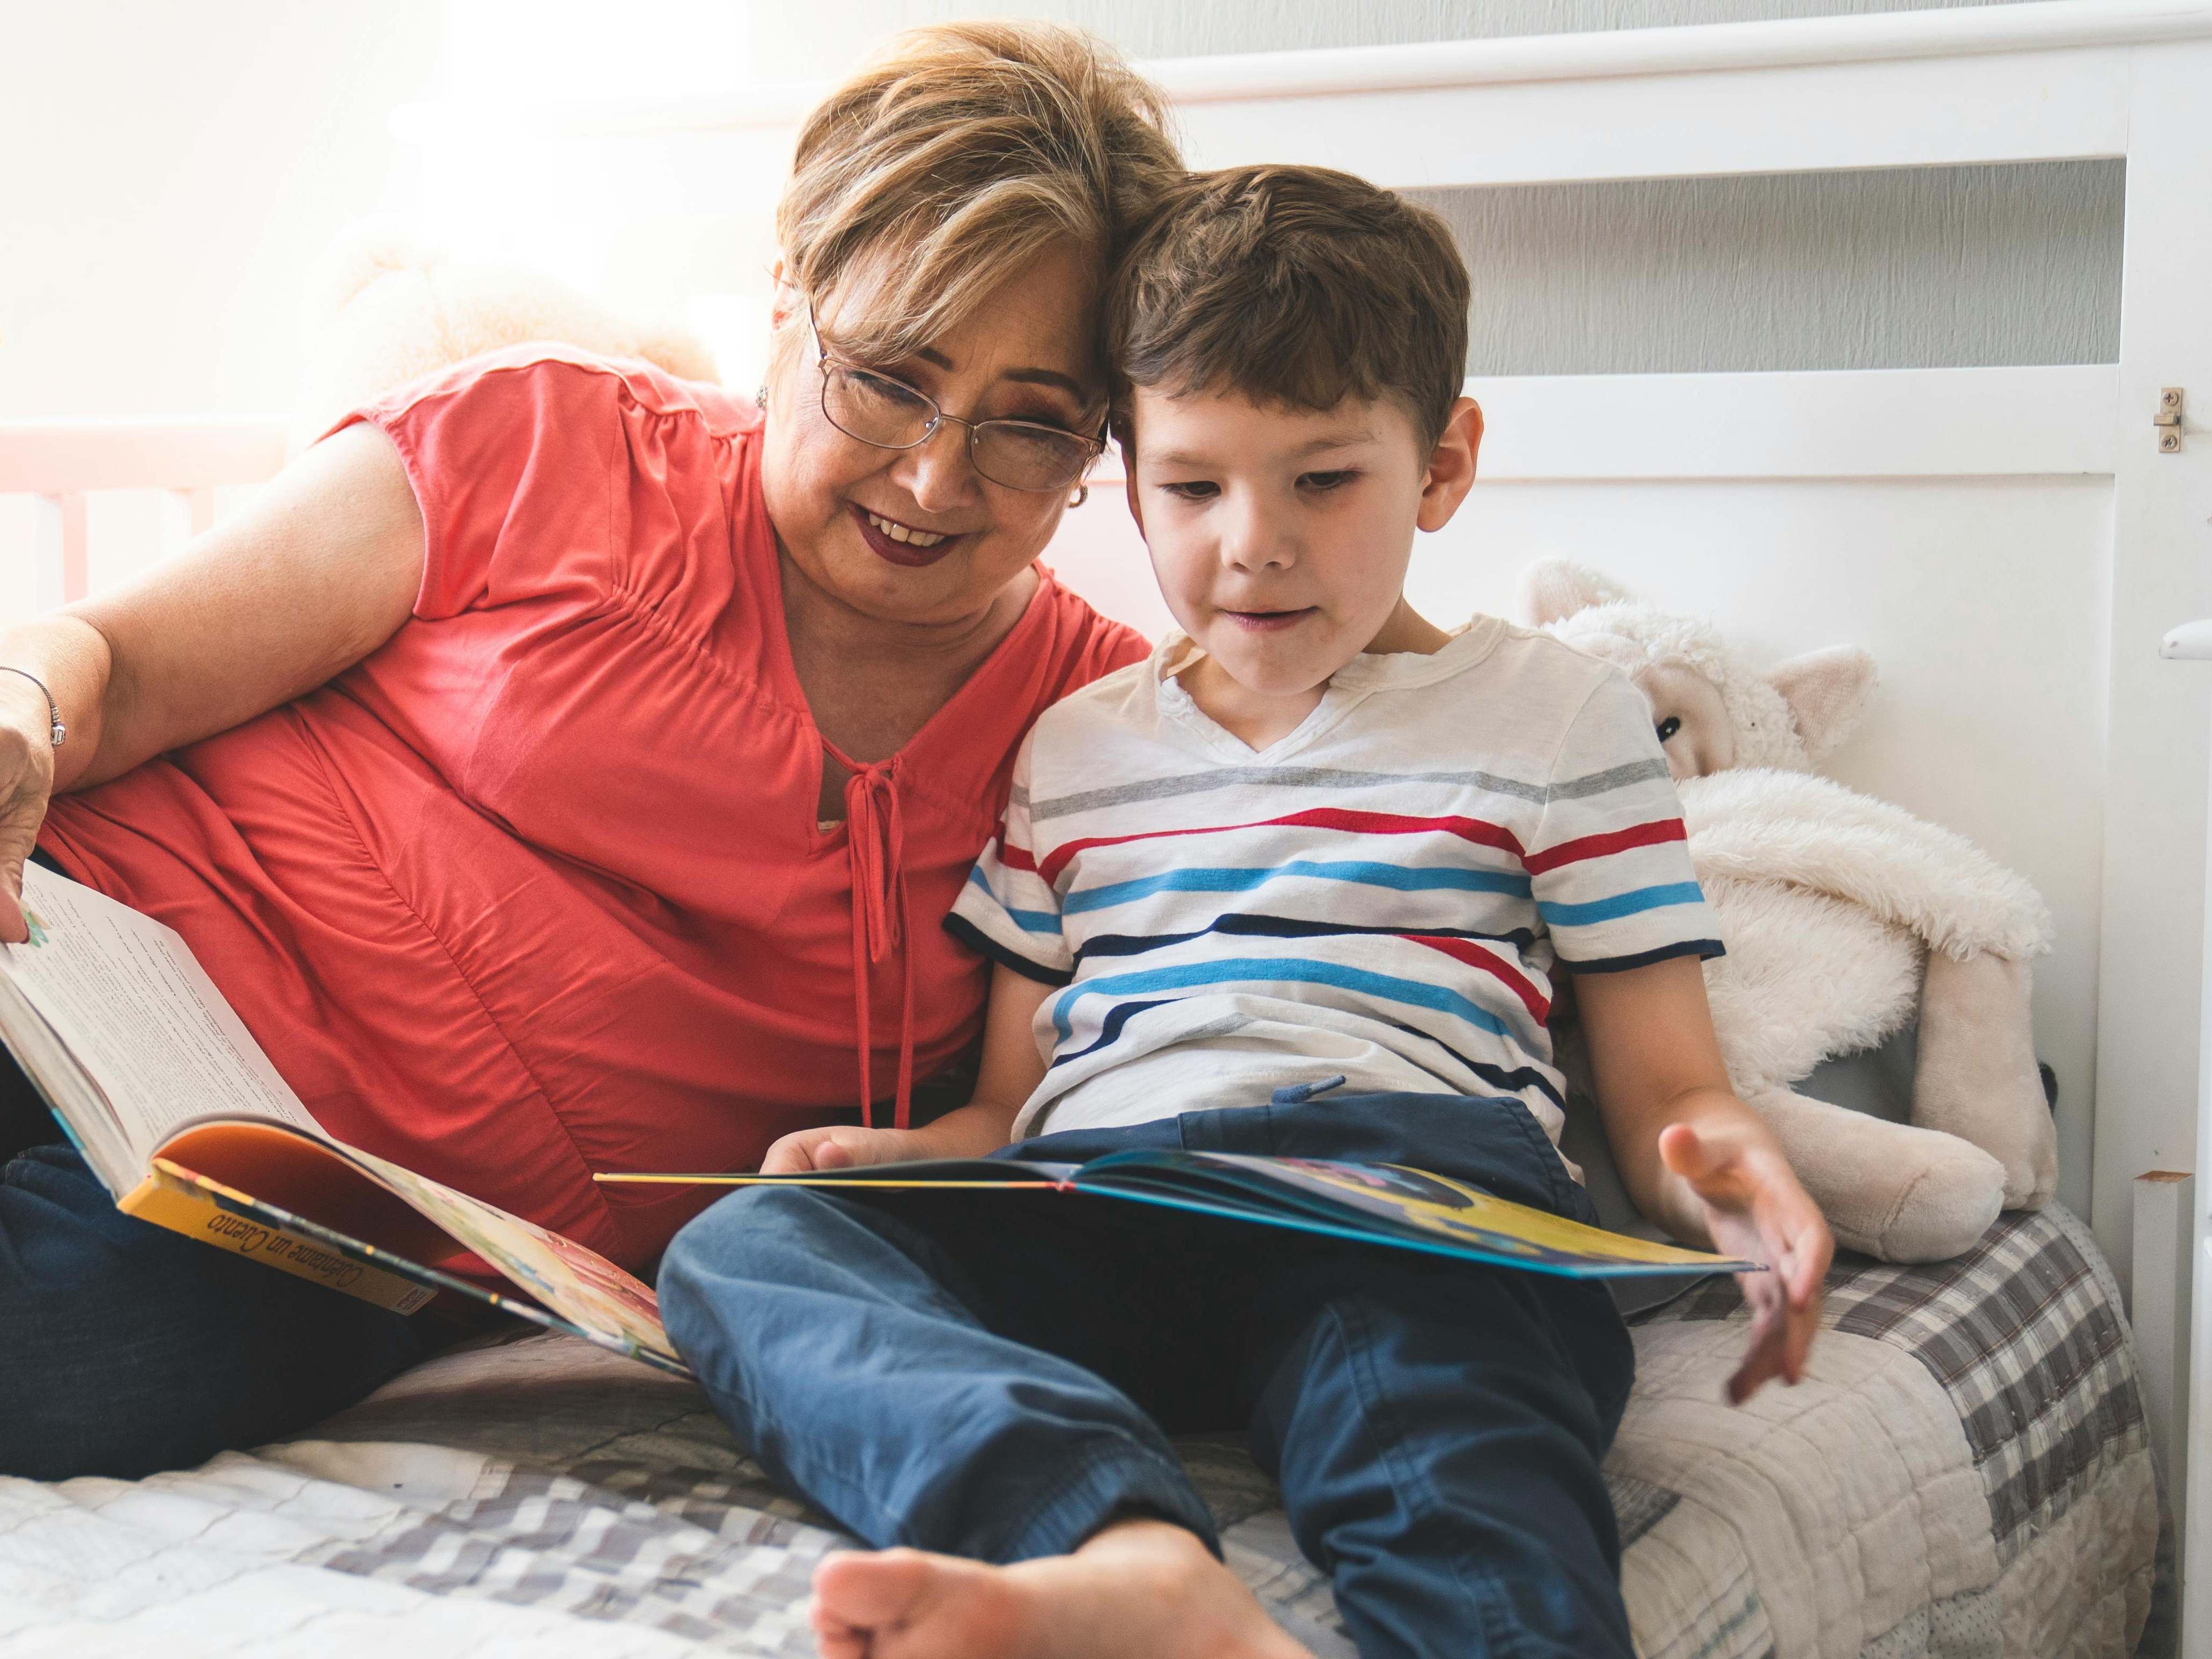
[[1754, 1207]]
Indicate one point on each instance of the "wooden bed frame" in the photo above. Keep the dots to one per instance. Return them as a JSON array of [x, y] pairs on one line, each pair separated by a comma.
[[2012, 543]]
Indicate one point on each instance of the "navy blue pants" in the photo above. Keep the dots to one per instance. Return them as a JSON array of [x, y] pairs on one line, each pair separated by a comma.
[[125, 1348], [995, 1375]]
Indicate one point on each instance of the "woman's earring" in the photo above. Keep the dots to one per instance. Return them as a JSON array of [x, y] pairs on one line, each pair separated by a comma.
[[760, 397], [1082, 495]]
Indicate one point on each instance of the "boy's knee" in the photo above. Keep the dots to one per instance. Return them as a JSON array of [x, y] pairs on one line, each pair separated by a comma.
[[756, 1234], [718, 1240]]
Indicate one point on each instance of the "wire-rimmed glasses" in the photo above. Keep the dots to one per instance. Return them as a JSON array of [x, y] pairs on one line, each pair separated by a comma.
[[1026, 455]]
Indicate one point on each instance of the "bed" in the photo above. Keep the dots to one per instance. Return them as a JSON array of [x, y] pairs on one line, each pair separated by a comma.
[[1974, 1466], [1967, 1474]]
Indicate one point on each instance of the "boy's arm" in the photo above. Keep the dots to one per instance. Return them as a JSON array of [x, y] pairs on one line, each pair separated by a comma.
[[1700, 1162], [1011, 1071]]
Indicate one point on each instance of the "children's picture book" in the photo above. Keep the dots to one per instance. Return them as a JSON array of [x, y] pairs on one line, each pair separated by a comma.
[[174, 1105], [1370, 1203]]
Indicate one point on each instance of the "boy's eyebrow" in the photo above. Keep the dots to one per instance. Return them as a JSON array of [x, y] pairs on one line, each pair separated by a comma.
[[1337, 440], [1334, 440]]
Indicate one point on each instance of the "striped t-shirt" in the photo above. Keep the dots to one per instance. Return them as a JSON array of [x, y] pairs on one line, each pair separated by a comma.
[[1383, 894]]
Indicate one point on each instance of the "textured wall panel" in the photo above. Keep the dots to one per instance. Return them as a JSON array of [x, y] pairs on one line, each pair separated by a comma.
[[1921, 269]]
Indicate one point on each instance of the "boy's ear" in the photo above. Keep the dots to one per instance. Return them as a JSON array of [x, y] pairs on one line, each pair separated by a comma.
[[1451, 465]]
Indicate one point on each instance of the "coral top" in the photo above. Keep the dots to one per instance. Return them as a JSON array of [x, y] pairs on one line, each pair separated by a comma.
[[538, 888]]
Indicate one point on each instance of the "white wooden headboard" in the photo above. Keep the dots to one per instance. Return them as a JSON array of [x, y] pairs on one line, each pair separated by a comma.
[[2011, 543]]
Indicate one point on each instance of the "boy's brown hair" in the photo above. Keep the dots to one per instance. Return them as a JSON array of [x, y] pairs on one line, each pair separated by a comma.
[[1289, 285]]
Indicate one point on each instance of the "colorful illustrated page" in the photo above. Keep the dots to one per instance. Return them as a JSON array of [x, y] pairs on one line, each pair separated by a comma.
[[577, 1283], [1435, 1204]]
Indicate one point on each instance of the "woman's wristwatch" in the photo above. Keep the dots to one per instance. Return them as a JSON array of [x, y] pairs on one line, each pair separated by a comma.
[[53, 708]]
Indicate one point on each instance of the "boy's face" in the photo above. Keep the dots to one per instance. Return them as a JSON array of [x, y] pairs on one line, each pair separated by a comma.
[[1280, 536]]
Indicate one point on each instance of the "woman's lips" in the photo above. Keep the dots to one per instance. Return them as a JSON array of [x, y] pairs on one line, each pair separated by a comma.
[[1268, 621], [899, 552]]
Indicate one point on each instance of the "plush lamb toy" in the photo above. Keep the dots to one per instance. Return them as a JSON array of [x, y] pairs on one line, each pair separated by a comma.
[[384, 308], [1846, 920]]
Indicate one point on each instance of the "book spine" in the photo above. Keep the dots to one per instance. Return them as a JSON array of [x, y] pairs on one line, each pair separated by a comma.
[[197, 1213]]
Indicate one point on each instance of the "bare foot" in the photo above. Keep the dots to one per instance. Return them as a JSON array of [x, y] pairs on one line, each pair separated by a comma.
[[1142, 1589]]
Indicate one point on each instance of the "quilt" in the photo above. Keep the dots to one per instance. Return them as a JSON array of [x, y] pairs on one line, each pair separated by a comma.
[[1965, 1474]]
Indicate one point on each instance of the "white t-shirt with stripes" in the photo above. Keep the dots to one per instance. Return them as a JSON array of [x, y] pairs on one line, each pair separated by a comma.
[[1383, 894]]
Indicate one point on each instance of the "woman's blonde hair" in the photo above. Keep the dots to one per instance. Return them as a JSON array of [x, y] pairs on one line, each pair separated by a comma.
[[955, 158]]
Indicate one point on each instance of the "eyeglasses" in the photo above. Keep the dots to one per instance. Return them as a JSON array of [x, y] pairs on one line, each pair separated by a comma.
[[890, 414]]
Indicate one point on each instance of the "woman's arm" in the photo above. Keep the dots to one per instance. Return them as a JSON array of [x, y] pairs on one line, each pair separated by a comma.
[[1011, 1069], [316, 572], [1700, 1162]]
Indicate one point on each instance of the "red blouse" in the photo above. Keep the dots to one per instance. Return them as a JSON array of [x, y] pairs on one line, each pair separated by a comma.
[[537, 889]]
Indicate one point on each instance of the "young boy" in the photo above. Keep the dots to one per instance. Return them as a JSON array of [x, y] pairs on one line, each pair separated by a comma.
[[1299, 885]]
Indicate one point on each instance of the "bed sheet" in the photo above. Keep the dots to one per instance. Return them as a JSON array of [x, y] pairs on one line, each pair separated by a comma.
[[1964, 1473]]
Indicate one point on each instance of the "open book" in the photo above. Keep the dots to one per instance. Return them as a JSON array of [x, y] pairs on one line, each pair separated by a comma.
[[1370, 1203], [178, 1112]]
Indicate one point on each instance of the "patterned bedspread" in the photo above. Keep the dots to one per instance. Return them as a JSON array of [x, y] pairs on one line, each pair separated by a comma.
[[1965, 1472]]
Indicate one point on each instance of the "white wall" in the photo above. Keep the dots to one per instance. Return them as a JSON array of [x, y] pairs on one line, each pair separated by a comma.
[[168, 174]]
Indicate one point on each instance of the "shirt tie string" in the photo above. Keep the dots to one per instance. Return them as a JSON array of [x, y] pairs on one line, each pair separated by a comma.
[[875, 843]]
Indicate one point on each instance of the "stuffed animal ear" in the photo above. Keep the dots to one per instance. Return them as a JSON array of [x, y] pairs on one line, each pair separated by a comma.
[[679, 351], [1826, 692], [1551, 589], [364, 253]]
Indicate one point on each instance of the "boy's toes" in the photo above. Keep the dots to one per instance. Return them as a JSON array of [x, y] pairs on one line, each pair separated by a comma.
[[906, 1604], [869, 1590]]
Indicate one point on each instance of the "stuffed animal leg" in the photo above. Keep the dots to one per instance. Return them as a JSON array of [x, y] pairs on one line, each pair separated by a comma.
[[1977, 1075], [1890, 1190]]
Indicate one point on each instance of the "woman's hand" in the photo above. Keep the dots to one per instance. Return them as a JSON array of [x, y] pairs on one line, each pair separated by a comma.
[[843, 1147], [1750, 1206], [27, 784]]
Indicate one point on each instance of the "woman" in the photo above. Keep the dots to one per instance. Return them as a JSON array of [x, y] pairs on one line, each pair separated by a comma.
[[562, 769]]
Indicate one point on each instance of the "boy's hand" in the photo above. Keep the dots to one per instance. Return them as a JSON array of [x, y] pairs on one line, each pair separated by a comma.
[[1752, 1206], [841, 1147]]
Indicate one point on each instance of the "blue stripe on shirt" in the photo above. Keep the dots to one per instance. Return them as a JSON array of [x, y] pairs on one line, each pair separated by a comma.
[[1029, 921], [1620, 904], [1280, 970], [1406, 878]]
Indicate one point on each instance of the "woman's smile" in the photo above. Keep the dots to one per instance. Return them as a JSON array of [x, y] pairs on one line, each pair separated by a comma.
[[902, 544]]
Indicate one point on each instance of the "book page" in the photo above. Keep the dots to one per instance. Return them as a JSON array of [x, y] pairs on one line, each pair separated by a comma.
[[123, 995], [1389, 1204], [577, 1283], [1515, 1233]]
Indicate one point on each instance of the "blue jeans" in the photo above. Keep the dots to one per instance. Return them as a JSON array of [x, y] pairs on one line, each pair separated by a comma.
[[996, 1376], [125, 1348]]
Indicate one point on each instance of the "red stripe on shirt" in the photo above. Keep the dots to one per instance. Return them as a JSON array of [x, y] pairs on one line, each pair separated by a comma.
[[1597, 846], [1472, 954], [1320, 817]]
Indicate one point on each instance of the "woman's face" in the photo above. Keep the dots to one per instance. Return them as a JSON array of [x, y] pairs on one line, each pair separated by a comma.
[[1026, 355]]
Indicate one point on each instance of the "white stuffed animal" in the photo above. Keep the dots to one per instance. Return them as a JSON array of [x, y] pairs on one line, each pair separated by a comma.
[[1846, 920], [384, 309]]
